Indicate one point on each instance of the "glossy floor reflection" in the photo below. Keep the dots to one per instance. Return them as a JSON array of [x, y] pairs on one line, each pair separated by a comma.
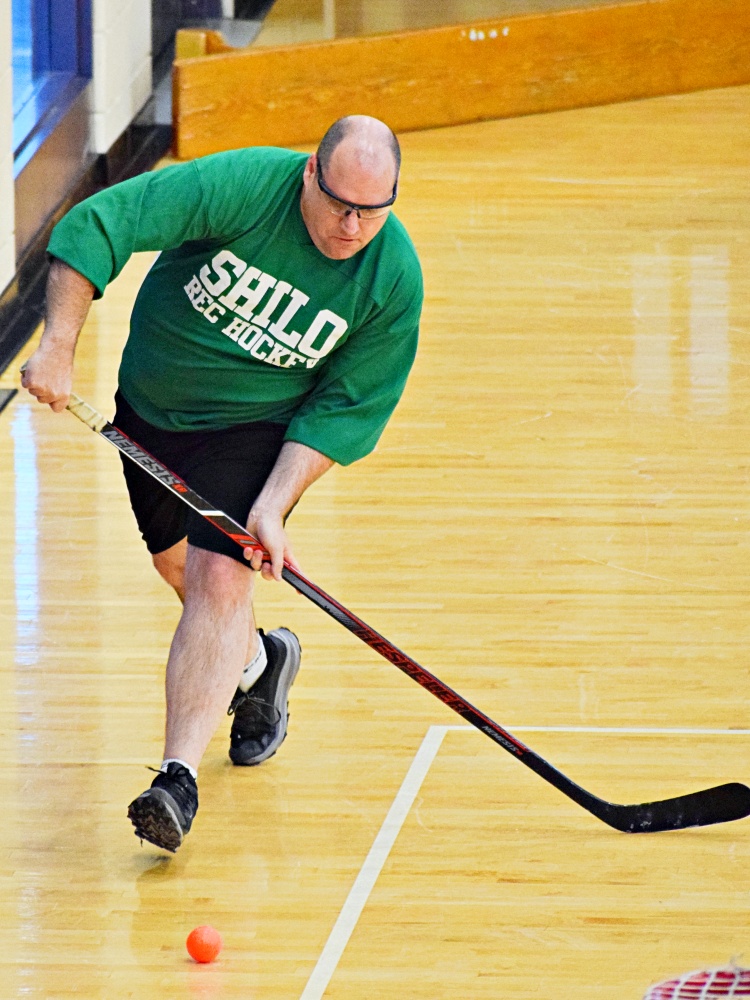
[[555, 522]]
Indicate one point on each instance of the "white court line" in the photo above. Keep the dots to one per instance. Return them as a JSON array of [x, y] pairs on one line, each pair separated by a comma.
[[627, 730], [368, 873], [381, 848]]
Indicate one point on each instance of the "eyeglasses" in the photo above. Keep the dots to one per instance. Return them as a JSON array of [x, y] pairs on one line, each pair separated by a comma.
[[342, 207]]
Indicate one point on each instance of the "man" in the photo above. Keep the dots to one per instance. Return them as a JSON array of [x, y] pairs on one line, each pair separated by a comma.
[[271, 339]]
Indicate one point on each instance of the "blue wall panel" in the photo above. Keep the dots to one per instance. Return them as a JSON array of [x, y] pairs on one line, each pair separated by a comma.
[[51, 63]]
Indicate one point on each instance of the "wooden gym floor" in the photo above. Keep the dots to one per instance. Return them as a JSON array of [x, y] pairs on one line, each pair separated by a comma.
[[555, 522]]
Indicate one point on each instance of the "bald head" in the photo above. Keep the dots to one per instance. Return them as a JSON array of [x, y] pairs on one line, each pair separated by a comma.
[[365, 144], [356, 166]]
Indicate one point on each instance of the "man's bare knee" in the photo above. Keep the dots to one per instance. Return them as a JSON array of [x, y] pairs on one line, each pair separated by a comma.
[[213, 577]]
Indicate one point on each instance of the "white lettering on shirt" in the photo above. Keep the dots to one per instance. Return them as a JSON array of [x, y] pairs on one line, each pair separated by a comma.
[[278, 329], [208, 312], [243, 297], [270, 340], [264, 317], [324, 317], [249, 338], [197, 295], [292, 360], [274, 358], [254, 350], [221, 258], [235, 328]]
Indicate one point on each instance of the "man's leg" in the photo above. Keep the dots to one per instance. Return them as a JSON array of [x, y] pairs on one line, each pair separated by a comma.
[[170, 565], [205, 663], [260, 702], [208, 651]]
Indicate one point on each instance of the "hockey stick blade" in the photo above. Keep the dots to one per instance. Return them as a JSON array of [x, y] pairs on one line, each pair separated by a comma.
[[712, 805], [721, 804]]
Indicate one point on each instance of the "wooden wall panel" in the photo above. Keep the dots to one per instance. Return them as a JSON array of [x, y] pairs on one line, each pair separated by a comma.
[[443, 76], [192, 42]]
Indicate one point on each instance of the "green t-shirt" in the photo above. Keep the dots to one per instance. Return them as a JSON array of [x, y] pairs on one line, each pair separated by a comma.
[[241, 318]]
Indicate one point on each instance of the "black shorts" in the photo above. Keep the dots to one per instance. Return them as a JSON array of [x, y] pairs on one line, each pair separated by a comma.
[[227, 467]]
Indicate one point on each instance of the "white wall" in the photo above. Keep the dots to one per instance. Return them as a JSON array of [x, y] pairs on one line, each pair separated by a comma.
[[122, 67], [7, 242], [120, 87]]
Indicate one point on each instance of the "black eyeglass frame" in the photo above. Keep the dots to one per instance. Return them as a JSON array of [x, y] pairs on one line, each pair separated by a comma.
[[350, 204]]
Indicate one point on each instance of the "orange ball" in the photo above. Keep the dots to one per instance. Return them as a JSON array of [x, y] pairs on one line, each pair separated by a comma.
[[204, 944]]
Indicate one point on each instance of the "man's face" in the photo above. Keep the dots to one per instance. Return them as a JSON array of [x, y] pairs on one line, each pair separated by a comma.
[[341, 236]]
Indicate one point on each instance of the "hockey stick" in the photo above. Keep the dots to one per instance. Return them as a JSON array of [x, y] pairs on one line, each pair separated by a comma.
[[712, 805]]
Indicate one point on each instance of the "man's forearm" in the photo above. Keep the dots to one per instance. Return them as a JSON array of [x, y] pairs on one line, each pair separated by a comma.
[[69, 297], [297, 467]]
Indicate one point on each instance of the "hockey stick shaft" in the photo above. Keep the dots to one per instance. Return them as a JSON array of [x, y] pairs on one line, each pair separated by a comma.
[[714, 805]]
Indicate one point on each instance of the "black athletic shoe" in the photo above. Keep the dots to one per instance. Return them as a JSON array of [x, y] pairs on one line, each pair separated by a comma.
[[261, 714], [164, 813]]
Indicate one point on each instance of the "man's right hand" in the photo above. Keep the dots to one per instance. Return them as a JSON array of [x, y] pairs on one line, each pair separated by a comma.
[[49, 377]]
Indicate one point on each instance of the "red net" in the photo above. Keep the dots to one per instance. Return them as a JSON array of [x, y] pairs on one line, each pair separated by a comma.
[[703, 985]]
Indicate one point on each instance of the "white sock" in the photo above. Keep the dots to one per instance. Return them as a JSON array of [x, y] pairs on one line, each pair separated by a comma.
[[176, 760], [252, 672]]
